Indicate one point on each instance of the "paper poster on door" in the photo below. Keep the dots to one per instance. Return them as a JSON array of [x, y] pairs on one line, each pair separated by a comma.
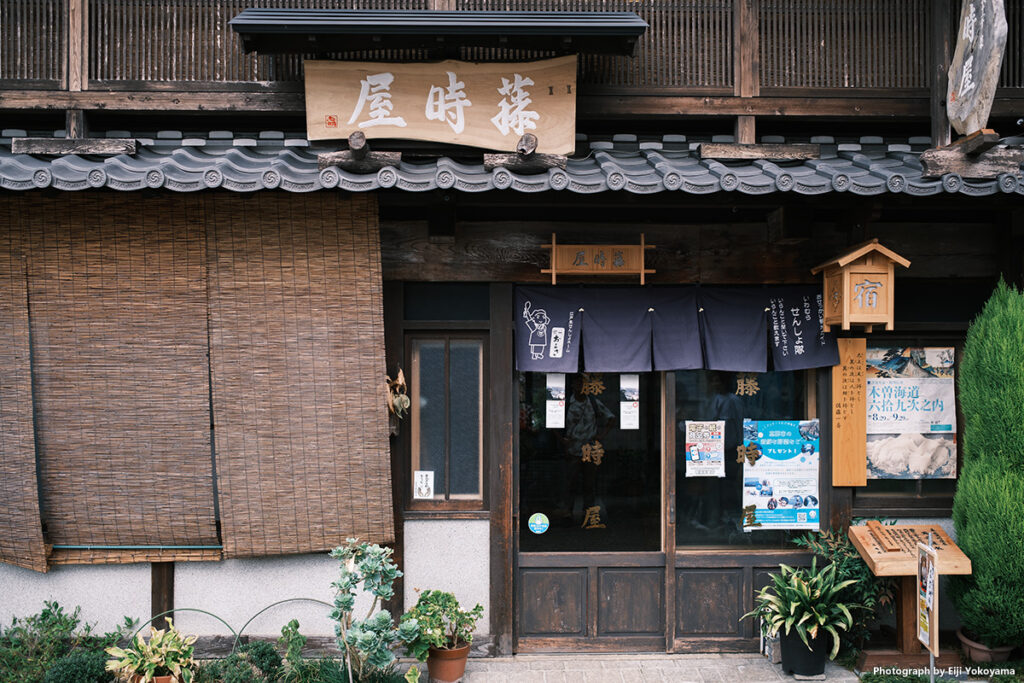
[[780, 474], [629, 401], [705, 448], [555, 414]]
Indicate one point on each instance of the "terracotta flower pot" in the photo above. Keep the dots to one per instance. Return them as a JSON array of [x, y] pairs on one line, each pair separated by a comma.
[[977, 652], [136, 678], [447, 666]]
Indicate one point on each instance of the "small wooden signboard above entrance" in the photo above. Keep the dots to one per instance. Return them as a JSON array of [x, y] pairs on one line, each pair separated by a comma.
[[597, 259], [489, 105], [859, 286]]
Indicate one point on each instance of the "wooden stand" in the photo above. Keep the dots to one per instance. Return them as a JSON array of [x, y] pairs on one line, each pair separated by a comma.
[[892, 551]]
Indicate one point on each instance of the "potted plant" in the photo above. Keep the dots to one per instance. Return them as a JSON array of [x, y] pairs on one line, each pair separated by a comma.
[[166, 658], [445, 632], [986, 508], [801, 605]]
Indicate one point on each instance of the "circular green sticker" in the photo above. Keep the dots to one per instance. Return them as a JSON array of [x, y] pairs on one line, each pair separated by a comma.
[[539, 523]]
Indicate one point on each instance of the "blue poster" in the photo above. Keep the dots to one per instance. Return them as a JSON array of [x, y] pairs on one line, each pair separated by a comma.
[[780, 474]]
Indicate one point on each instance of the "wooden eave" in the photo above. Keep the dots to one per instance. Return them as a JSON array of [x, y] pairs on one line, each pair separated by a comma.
[[859, 251], [306, 31]]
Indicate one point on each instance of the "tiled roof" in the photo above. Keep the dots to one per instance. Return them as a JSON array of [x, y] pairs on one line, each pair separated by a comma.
[[273, 160]]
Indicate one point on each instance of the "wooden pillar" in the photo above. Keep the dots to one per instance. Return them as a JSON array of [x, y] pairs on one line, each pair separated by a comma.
[[76, 67], [746, 64], [503, 406], [394, 355], [162, 587], [940, 54]]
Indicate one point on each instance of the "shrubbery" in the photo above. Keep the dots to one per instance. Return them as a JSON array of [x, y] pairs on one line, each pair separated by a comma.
[[987, 506]]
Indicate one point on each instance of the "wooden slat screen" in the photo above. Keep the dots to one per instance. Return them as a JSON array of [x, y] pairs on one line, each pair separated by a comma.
[[21, 529], [32, 33], [190, 40], [1012, 75], [297, 354], [689, 42], [117, 301], [844, 43]]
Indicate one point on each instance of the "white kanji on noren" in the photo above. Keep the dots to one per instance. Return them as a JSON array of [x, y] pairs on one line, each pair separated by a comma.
[[513, 116], [446, 104], [375, 90]]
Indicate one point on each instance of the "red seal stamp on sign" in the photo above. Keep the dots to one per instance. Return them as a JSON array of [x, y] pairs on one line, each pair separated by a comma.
[[331, 121]]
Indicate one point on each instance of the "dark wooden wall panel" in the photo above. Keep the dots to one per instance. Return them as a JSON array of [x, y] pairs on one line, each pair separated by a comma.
[[631, 602], [709, 601], [552, 602], [32, 33]]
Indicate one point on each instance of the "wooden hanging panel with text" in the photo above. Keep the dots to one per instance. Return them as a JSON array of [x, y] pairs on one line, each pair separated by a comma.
[[849, 414], [489, 105]]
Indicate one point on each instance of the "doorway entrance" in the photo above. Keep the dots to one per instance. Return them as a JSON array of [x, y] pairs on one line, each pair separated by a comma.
[[591, 564]]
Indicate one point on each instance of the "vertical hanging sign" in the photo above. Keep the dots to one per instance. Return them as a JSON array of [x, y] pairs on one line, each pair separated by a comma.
[[629, 401], [555, 403], [423, 484], [927, 598], [705, 448]]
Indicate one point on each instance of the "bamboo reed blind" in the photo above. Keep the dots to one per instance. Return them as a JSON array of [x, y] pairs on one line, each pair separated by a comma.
[[297, 353], [21, 535], [117, 300]]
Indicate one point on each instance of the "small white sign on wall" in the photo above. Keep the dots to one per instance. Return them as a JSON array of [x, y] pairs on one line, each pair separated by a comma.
[[423, 485]]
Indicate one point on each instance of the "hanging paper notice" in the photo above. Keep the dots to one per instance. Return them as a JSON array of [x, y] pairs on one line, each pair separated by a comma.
[[705, 448], [911, 406], [629, 401], [555, 414], [423, 484], [780, 474]]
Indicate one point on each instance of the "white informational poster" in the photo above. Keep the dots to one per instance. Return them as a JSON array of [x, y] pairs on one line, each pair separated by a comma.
[[629, 401], [927, 598], [911, 406], [554, 417], [780, 474], [423, 484], [705, 448]]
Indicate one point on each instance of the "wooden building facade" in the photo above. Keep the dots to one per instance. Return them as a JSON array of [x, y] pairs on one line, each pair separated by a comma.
[[210, 314]]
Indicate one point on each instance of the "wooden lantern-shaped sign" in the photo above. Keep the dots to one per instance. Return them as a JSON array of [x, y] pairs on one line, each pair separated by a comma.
[[859, 287]]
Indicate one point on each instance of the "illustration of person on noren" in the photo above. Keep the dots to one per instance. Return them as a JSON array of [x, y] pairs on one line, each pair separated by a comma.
[[537, 322]]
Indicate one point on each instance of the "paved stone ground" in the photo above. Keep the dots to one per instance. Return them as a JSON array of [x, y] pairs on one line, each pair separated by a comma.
[[639, 668]]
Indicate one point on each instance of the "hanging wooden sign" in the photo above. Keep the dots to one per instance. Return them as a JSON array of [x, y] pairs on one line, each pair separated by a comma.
[[849, 417], [488, 105], [974, 72], [859, 286], [597, 259]]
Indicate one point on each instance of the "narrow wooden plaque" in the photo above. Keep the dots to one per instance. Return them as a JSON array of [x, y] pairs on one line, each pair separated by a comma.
[[488, 105], [597, 259], [849, 414]]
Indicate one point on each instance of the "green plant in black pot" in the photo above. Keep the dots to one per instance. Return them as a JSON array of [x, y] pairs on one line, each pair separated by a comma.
[[987, 505], [867, 596], [801, 605]]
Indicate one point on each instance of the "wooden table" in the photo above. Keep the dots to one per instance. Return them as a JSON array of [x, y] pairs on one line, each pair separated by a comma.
[[892, 551]]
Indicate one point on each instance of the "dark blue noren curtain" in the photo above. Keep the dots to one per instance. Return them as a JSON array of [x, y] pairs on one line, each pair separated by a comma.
[[547, 329], [616, 330], [796, 335], [733, 327], [675, 330]]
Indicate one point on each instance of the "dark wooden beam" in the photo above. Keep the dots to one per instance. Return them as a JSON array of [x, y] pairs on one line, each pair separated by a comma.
[[59, 146], [719, 150], [940, 53], [74, 124], [162, 587], [987, 165], [746, 62]]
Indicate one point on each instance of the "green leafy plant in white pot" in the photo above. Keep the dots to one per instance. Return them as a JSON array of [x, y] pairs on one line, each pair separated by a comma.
[[801, 605]]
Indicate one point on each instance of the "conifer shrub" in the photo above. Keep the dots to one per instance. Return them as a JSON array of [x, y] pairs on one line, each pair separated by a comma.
[[987, 508]]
